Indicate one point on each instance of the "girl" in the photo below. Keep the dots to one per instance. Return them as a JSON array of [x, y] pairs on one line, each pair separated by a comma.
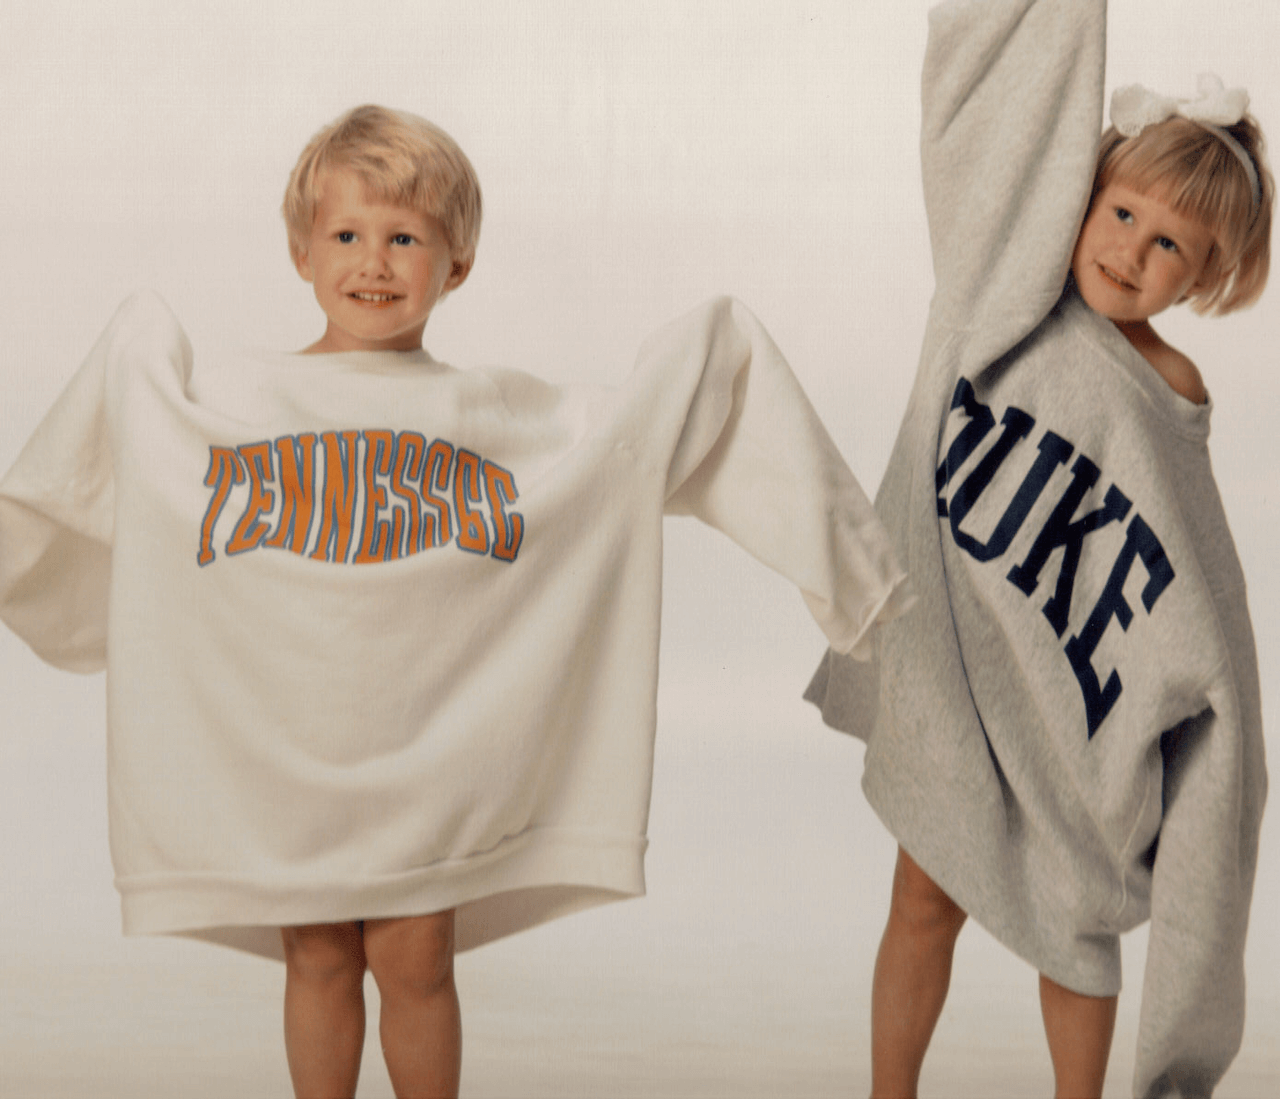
[[1068, 737]]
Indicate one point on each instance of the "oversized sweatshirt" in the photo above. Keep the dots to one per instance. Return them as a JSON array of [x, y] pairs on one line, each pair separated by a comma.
[[1066, 732], [381, 635]]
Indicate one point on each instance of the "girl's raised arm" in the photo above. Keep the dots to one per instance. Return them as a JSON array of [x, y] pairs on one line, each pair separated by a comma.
[[1012, 107]]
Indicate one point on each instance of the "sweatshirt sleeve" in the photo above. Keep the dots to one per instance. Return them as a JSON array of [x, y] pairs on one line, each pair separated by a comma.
[[56, 517], [1012, 102], [751, 458], [1193, 1000]]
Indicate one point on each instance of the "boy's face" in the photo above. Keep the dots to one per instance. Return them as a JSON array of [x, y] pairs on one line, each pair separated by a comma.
[[1136, 256], [378, 269]]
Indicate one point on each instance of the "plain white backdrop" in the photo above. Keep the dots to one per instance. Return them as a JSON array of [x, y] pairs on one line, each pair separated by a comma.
[[636, 158]]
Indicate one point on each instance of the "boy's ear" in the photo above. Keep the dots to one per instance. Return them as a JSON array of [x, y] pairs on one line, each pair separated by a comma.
[[457, 276], [302, 261]]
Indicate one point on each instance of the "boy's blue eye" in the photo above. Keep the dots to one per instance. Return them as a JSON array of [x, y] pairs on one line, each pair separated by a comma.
[[1123, 214], [1167, 244], [402, 238], [346, 236]]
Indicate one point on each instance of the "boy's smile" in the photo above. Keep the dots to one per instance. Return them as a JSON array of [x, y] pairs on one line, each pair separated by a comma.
[[1136, 255], [378, 269]]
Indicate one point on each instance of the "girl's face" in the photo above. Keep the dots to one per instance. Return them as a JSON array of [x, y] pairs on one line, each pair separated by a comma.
[[378, 269], [1136, 256]]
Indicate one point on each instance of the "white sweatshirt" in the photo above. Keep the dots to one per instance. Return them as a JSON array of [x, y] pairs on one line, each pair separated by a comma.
[[1068, 732], [381, 635]]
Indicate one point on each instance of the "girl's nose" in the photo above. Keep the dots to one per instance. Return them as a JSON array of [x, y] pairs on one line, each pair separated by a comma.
[[1135, 252]]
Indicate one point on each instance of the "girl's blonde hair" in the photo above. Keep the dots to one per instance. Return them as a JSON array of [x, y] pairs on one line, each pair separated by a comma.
[[1201, 178], [404, 160]]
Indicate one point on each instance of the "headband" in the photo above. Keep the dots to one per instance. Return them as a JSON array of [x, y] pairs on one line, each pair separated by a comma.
[[1134, 108]]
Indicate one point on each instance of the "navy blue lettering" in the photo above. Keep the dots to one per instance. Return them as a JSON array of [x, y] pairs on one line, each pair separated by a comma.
[[971, 435], [1140, 542], [1061, 531], [1054, 451]]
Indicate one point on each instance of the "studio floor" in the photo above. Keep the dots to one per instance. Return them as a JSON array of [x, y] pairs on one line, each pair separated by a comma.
[[744, 973]]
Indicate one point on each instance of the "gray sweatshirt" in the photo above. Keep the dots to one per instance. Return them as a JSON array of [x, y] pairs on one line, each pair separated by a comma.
[[1066, 731]]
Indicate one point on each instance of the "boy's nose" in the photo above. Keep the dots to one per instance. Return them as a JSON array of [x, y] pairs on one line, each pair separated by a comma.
[[376, 261]]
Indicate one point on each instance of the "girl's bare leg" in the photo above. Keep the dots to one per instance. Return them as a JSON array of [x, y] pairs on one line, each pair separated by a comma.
[[324, 1008], [912, 975], [421, 1028], [1079, 1029]]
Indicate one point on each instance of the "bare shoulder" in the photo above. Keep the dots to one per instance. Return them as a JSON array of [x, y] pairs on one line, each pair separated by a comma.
[[1181, 374]]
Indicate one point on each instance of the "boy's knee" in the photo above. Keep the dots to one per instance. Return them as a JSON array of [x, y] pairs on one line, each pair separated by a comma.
[[412, 955], [324, 952]]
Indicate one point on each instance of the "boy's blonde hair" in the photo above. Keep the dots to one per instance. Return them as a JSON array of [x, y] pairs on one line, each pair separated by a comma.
[[1201, 178], [404, 160]]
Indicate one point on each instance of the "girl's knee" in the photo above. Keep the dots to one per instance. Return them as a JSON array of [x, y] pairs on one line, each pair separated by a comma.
[[324, 952], [920, 904], [413, 954]]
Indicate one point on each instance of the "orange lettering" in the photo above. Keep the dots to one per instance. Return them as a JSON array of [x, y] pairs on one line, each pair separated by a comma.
[[224, 472], [508, 526], [435, 478], [339, 495], [473, 535], [375, 541], [297, 492], [410, 447], [251, 530]]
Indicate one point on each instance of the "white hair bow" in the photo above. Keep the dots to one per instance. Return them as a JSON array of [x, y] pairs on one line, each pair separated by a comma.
[[1134, 108]]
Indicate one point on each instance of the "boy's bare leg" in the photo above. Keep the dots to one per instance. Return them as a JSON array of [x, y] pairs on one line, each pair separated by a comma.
[[421, 1028], [1079, 1029], [913, 972], [324, 1008]]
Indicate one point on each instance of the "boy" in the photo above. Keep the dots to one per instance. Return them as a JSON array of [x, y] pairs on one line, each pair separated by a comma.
[[406, 705]]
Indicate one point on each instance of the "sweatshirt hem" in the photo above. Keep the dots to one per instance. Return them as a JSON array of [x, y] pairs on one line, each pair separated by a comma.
[[527, 879], [1091, 967]]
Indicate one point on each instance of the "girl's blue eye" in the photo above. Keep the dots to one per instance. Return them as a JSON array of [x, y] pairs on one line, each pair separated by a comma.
[[346, 236], [1167, 244], [1123, 214], [402, 238]]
